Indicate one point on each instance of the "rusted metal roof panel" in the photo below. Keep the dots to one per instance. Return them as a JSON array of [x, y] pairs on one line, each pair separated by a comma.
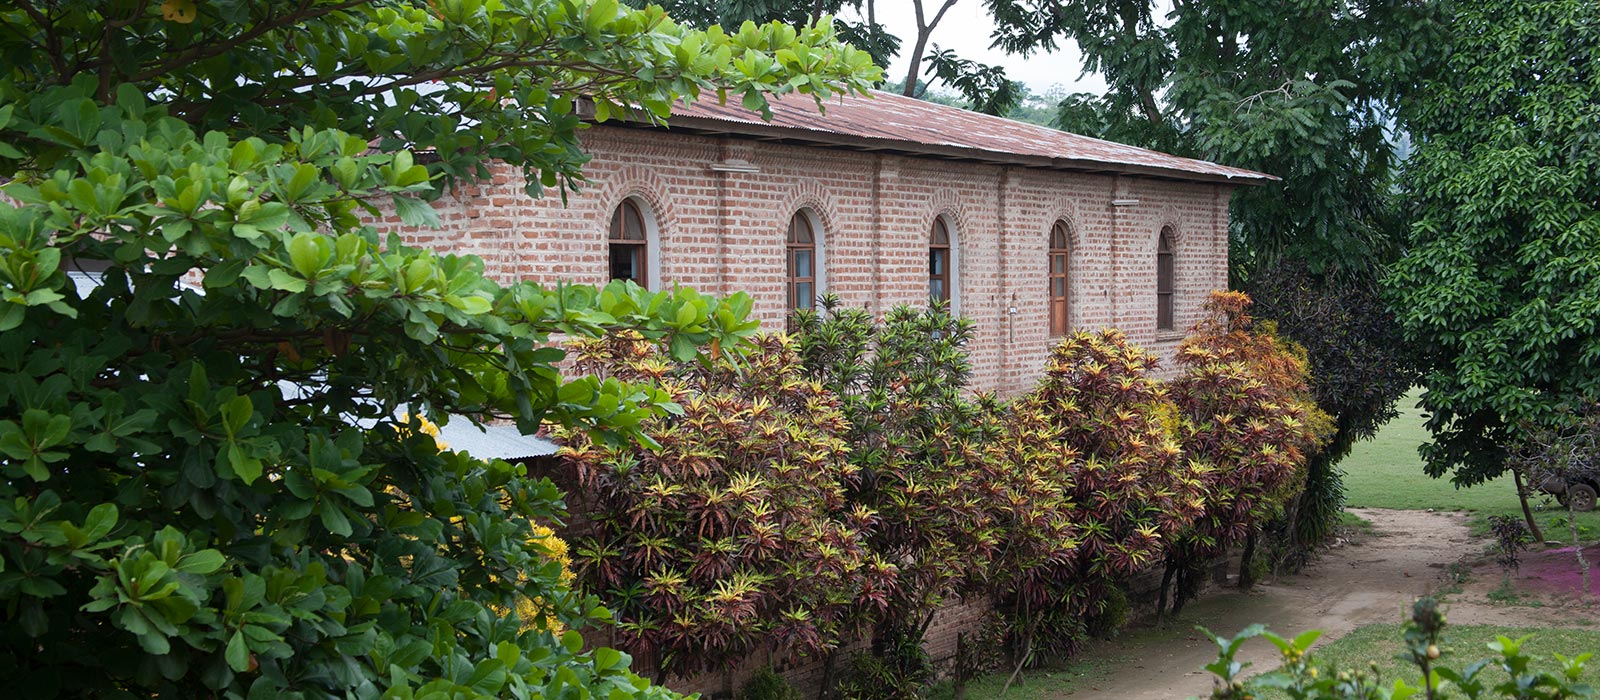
[[886, 121]]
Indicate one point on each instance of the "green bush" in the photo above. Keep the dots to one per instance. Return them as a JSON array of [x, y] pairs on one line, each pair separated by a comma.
[[1095, 486], [896, 670], [210, 489], [919, 440], [766, 684], [1248, 418], [1111, 615]]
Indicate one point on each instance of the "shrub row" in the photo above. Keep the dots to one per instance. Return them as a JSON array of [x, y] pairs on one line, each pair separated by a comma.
[[849, 481]]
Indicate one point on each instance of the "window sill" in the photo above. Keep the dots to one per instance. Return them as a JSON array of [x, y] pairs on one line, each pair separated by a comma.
[[1168, 336]]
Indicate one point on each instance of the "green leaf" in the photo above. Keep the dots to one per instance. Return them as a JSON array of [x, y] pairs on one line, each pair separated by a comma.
[[205, 561], [245, 466], [1306, 639], [333, 518], [415, 212], [100, 521], [236, 413], [238, 654], [281, 279]]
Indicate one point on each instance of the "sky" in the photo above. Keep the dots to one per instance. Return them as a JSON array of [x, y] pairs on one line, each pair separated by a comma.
[[966, 28]]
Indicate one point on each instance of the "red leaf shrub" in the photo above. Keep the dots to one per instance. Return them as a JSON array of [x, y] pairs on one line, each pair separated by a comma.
[[1247, 414], [734, 533], [1096, 483]]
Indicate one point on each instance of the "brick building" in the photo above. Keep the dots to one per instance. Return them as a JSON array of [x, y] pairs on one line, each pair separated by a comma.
[[884, 201], [1027, 230]]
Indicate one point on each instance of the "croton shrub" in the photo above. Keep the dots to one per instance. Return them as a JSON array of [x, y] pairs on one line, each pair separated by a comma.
[[732, 532], [1248, 416], [1096, 483]]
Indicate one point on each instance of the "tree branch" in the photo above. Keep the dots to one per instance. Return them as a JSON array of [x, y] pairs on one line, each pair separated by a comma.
[[200, 52], [51, 41]]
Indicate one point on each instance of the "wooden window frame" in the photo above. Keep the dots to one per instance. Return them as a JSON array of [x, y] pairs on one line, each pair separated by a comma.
[[1059, 306], [623, 240], [1166, 281], [941, 249], [799, 223]]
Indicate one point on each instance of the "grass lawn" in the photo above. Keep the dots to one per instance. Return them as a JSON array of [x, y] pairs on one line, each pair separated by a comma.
[[1381, 645], [1048, 683], [1386, 472]]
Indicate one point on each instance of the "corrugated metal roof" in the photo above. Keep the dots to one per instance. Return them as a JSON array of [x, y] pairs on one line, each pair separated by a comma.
[[493, 441], [886, 121]]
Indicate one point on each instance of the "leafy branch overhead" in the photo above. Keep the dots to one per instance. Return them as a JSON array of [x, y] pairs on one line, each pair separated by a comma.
[[471, 80]]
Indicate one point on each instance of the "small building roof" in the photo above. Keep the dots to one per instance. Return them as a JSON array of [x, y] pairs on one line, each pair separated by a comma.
[[494, 441], [895, 123]]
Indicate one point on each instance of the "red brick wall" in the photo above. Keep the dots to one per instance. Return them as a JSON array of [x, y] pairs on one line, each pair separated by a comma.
[[722, 232]]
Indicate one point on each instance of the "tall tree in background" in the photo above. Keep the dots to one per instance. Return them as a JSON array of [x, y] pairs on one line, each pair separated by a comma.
[[1500, 290], [1306, 91]]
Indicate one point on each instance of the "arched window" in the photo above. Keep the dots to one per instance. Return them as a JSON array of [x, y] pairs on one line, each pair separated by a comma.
[[1060, 286], [941, 263], [805, 262], [1164, 284], [630, 244]]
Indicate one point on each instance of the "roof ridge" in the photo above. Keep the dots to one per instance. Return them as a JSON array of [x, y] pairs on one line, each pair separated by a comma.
[[883, 120]]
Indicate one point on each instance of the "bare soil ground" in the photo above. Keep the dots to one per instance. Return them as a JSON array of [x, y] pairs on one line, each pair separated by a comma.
[[1375, 580]]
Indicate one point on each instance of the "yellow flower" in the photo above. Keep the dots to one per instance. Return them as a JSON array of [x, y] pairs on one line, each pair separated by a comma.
[[534, 612], [429, 428]]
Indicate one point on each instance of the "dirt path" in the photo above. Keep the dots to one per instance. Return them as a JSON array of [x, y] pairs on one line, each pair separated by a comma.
[[1348, 587]]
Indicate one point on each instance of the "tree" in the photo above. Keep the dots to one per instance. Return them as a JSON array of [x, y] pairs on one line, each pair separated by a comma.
[[1356, 366], [470, 82], [1098, 487], [1500, 290], [209, 485]]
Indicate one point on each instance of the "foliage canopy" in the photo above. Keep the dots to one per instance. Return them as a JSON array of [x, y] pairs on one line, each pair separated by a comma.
[[208, 485], [1500, 290], [473, 81]]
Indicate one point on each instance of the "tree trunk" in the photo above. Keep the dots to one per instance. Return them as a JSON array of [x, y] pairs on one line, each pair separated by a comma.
[[910, 87], [1527, 513], [1247, 580], [1022, 659], [924, 32], [1166, 584], [1577, 545], [827, 673], [1178, 597], [958, 680]]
